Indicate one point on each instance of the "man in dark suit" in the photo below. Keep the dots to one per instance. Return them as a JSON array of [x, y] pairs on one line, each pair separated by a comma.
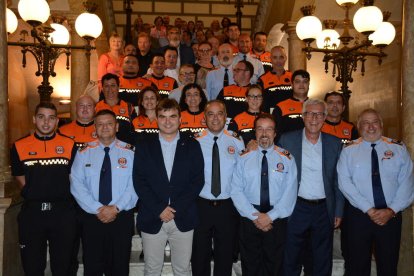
[[185, 53], [320, 203], [168, 175]]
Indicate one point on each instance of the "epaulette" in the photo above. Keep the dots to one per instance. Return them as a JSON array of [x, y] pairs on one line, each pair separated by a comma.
[[398, 142], [245, 152], [82, 147], [283, 152], [232, 134], [130, 147], [353, 142], [200, 134]]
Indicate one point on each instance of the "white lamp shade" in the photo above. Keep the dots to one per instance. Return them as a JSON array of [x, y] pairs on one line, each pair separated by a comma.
[[343, 2], [328, 39], [308, 27], [60, 35], [34, 10], [367, 19], [88, 25], [384, 35], [11, 21]]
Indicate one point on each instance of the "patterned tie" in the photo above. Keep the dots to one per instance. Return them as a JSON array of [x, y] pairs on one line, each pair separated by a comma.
[[105, 181], [264, 185], [379, 198], [226, 78], [215, 170]]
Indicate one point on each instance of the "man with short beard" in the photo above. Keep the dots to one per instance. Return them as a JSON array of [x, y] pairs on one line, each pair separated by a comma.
[[185, 53], [263, 190], [259, 50], [222, 76]]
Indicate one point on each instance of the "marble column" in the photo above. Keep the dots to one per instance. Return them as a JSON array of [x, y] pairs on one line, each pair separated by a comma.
[[406, 265], [297, 58], [80, 70], [5, 177]]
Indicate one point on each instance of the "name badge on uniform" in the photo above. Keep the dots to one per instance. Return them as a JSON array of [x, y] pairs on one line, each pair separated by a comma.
[[280, 167], [388, 154], [87, 165]]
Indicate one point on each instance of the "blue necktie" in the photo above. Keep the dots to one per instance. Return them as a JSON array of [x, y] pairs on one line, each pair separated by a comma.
[[244, 57], [379, 198], [264, 185], [215, 170], [226, 78], [105, 181]]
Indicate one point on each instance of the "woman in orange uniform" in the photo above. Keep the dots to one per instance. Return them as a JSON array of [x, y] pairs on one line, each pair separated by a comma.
[[243, 123], [146, 124], [192, 103]]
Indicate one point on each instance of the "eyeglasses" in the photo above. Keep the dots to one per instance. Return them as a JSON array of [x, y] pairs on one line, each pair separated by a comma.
[[204, 50], [237, 70], [318, 115], [255, 97]]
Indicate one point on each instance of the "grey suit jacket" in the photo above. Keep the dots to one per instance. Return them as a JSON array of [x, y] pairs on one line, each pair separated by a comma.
[[331, 149]]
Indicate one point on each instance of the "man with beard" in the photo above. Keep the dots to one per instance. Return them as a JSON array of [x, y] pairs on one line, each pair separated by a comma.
[[245, 47], [185, 53], [222, 76], [259, 46], [41, 163], [170, 57], [130, 85], [233, 33], [277, 83], [263, 190]]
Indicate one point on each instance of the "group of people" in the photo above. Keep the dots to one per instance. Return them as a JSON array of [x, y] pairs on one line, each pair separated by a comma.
[[246, 165]]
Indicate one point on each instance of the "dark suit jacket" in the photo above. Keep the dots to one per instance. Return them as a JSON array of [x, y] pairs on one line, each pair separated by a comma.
[[331, 148], [154, 189], [186, 54]]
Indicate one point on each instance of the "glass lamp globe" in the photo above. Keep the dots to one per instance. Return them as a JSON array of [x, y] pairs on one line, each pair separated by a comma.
[[384, 35], [34, 12], [88, 25], [11, 21], [60, 35], [346, 2], [367, 19], [308, 28], [328, 39]]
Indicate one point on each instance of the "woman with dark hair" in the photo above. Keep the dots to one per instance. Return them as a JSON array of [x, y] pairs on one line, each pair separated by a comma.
[[203, 65], [146, 123], [243, 123], [192, 103], [159, 32]]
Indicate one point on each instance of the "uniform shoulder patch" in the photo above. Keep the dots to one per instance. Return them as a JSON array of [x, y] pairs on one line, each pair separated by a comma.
[[398, 142], [130, 147], [283, 152], [245, 152], [82, 147], [200, 134], [353, 142], [232, 134]]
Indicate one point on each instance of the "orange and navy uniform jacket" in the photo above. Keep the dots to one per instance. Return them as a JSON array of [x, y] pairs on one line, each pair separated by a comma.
[[144, 127], [164, 85], [192, 122], [275, 88], [80, 133], [344, 130], [288, 116], [243, 125], [265, 59], [125, 113], [234, 97], [45, 162], [129, 88]]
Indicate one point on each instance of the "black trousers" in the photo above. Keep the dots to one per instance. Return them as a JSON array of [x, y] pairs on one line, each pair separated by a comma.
[[37, 228], [218, 222], [107, 246], [262, 252], [363, 235]]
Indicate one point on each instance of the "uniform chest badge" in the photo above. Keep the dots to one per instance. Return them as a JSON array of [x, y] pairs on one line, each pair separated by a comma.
[[122, 162], [93, 134], [244, 124], [122, 110], [291, 109], [166, 84], [388, 154], [231, 150], [59, 150], [345, 131], [280, 167], [140, 84], [32, 153], [140, 125]]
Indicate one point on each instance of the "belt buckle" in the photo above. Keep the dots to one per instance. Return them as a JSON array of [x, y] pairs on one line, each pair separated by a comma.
[[46, 206]]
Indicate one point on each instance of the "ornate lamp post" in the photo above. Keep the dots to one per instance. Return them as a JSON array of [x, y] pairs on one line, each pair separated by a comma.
[[50, 41], [368, 20]]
